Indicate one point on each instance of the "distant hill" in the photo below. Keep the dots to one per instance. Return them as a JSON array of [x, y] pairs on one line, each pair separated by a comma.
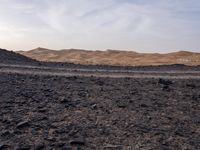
[[10, 57], [113, 57]]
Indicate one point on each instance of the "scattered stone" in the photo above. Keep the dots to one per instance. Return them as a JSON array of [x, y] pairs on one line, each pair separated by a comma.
[[3, 146], [122, 103], [63, 100], [143, 105], [142, 128], [47, 90], [191, 85], [94, 106], [65, 147], [39, 146], [82, 94], [51, 139], [196, 120], [42, 110], [100, 83], [128, 112], [6, 133], [165, 82], [113, 147], [24, 147], [78, 141], [23, 124], [73, 78], [166, 88], [60, 144]]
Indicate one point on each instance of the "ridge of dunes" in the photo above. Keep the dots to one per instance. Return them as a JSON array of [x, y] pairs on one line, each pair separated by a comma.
[[112, 57]]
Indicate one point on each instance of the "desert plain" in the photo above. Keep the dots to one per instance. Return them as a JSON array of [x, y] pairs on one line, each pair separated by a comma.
[[49, 105]]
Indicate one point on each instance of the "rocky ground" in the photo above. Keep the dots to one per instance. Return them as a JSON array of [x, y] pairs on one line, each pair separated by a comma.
[[53, 106], [87, 113], [10, 57]]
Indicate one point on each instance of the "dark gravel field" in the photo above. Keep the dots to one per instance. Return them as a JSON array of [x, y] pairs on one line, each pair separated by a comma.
[[91, 113]]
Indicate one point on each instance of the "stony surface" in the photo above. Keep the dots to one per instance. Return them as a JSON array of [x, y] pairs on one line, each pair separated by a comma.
[[49, 112], [10, 57]]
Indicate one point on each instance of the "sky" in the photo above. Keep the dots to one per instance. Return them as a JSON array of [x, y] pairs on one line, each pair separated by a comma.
[[138, 25]]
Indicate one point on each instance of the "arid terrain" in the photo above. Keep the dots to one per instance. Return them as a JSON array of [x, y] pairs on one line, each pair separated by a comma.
[[47, 106], [113, 57]]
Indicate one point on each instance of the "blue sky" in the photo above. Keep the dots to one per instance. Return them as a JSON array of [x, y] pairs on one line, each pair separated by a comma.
[[139, 25]]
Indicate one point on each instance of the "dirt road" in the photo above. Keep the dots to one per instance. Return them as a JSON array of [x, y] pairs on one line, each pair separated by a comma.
[[35, 70]]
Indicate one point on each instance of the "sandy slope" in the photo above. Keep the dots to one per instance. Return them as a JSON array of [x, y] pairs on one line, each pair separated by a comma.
[[111, 57]]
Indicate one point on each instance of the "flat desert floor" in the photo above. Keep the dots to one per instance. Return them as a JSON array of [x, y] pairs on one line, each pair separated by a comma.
[[104, 110]]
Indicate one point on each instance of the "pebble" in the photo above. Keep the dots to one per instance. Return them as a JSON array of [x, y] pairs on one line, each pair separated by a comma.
[[63, 100], [3, 146], [77, 141], [39, 146], [165, 82], [24, 147], [113, 147], [94, 106], [23, 124]]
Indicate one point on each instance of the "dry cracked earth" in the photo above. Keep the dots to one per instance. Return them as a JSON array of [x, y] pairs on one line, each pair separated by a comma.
[[86, 113]]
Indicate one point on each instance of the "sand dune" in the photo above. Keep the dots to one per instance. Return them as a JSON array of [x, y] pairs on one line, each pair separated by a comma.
[[113, 57]]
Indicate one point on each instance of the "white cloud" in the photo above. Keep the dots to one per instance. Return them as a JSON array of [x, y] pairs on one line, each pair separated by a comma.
[[95, 24]]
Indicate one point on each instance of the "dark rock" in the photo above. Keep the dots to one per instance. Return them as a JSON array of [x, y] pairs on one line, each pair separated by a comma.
[[195, 97], [73, 78], [94, 106], [23, 124], [39, 146], [28, 94], [63, 100], [47, 90], [82, 94], [52, 139], [101, 83], [166, 88], [143, 105], [10, 57], [3, 146], [113, 147], [60, 144], [42, 110], [65, 147], [122, 103], [191, 85], [104, 130], [78, 141], [24, 147], [196, 120], [165, 82], [6, 133], [142, 128]]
